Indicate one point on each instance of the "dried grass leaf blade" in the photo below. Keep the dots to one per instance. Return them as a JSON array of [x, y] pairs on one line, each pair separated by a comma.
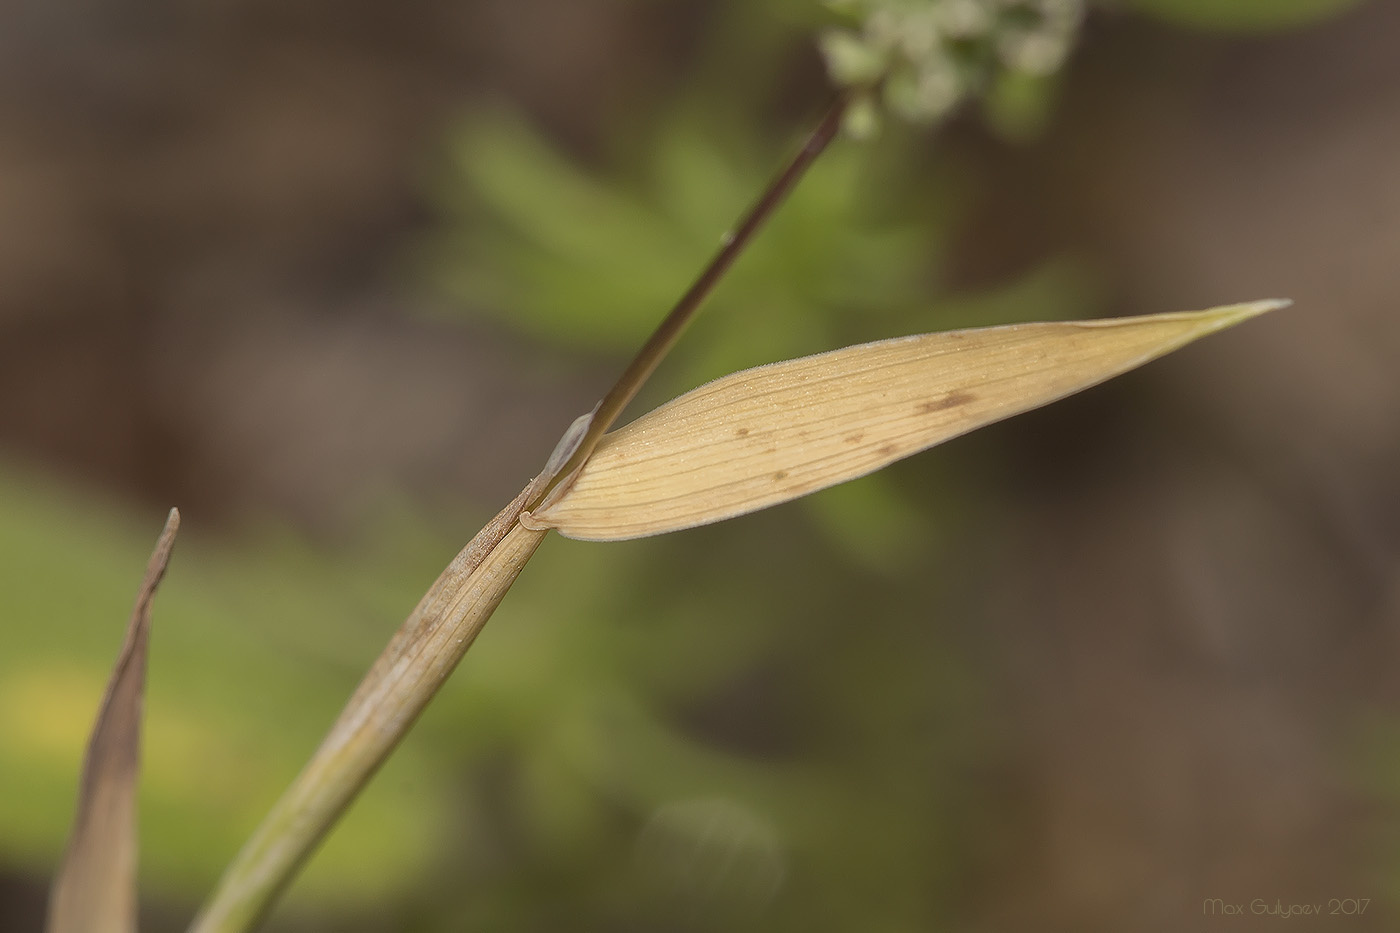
[[95, 888], [767, 435]]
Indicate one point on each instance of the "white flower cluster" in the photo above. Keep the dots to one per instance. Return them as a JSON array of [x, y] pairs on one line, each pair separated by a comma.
[[925, 56]]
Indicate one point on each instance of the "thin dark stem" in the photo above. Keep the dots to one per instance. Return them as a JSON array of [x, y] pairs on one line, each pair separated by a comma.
[[666, 334]]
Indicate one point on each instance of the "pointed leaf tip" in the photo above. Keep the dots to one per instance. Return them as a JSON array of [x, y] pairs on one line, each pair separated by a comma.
[[767, 435], [1231, 315], [95, 888]]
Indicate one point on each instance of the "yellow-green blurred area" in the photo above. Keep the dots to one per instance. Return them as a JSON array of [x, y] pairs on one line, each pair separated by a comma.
[[333, 277]]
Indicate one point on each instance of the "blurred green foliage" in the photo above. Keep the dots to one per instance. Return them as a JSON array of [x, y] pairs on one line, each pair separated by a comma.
[[591, 263], [607, 772], [252, 653], [1242, 15]]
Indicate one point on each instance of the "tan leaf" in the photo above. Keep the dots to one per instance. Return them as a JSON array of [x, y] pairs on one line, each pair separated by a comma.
[[95, 889], [770, 434]]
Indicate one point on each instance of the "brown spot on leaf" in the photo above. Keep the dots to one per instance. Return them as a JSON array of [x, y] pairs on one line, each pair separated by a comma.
[[855, 438], [742, 432], [771, 450], [888, 450], [780, 476], [951, 400]]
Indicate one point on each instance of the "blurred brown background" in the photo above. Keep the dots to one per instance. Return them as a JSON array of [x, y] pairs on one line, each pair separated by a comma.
[[1176, 595]]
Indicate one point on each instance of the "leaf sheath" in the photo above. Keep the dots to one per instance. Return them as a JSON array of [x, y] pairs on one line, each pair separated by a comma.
[[420, 657]]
